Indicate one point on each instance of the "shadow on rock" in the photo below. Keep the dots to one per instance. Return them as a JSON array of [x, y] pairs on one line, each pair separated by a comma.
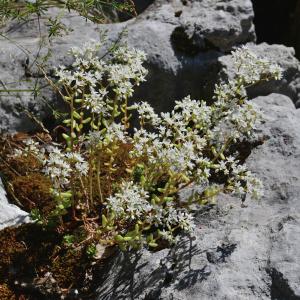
[[146, 275]]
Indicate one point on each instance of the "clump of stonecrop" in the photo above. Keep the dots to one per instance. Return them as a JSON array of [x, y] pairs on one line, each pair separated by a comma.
[[122, 184]]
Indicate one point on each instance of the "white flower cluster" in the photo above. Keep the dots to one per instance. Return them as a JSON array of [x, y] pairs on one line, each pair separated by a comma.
[[250, 68], [115, 132], [170, 217], [179, 140], [80, 165], [60, 166], [86, 53], [57, 168], [31, 148], [234, 116], [147, 114], [130, 202], [120, 72], [126, 70], [95, 102]]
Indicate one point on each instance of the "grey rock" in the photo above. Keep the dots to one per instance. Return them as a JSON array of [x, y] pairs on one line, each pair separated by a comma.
[[10, 215], [238, 252], [186, 44], [219, 25], [18, 71], [205, 24], [182, 39]]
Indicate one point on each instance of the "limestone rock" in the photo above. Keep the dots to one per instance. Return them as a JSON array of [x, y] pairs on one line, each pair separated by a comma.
[[10, 214], [182, 39], [186, 42]]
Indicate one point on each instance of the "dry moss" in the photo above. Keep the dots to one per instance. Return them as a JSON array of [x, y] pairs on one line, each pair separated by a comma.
[[6, 293], [10, 247], [25, 183], [28, 253], [70, 267], [33, 191]]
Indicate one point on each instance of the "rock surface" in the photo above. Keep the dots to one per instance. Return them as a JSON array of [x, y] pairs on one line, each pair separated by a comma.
[[10, 214], [182, 39], [238, 252], [187, 45], [184, 58], [18, 70]]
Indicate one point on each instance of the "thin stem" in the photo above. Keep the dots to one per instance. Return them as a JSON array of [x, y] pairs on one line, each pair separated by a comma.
[[125, 111], [98, 171], [84, 189], [115, 106], [91, 179], [72, 149]]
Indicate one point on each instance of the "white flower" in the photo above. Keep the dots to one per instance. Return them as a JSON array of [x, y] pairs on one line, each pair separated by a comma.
[[130, 202], [75, 159], [147, 114], [181, 217], [115, 132], [87, 50], [95, 102], [31, 148], [57, 168]]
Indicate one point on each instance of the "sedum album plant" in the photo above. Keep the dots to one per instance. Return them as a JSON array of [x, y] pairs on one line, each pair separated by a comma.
[[123, 183]]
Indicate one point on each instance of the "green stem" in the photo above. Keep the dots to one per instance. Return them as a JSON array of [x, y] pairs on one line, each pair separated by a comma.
[[114, 110], [91, 178], [72, 124], [125, 120], [99, 178]]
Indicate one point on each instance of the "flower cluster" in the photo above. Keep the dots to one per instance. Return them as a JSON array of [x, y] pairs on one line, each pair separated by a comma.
[[31, 148], [130, 202], [126, 71], [146, 114], [120, 73], [58, 168], [58, 165], [134, 176], [249, 68]]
